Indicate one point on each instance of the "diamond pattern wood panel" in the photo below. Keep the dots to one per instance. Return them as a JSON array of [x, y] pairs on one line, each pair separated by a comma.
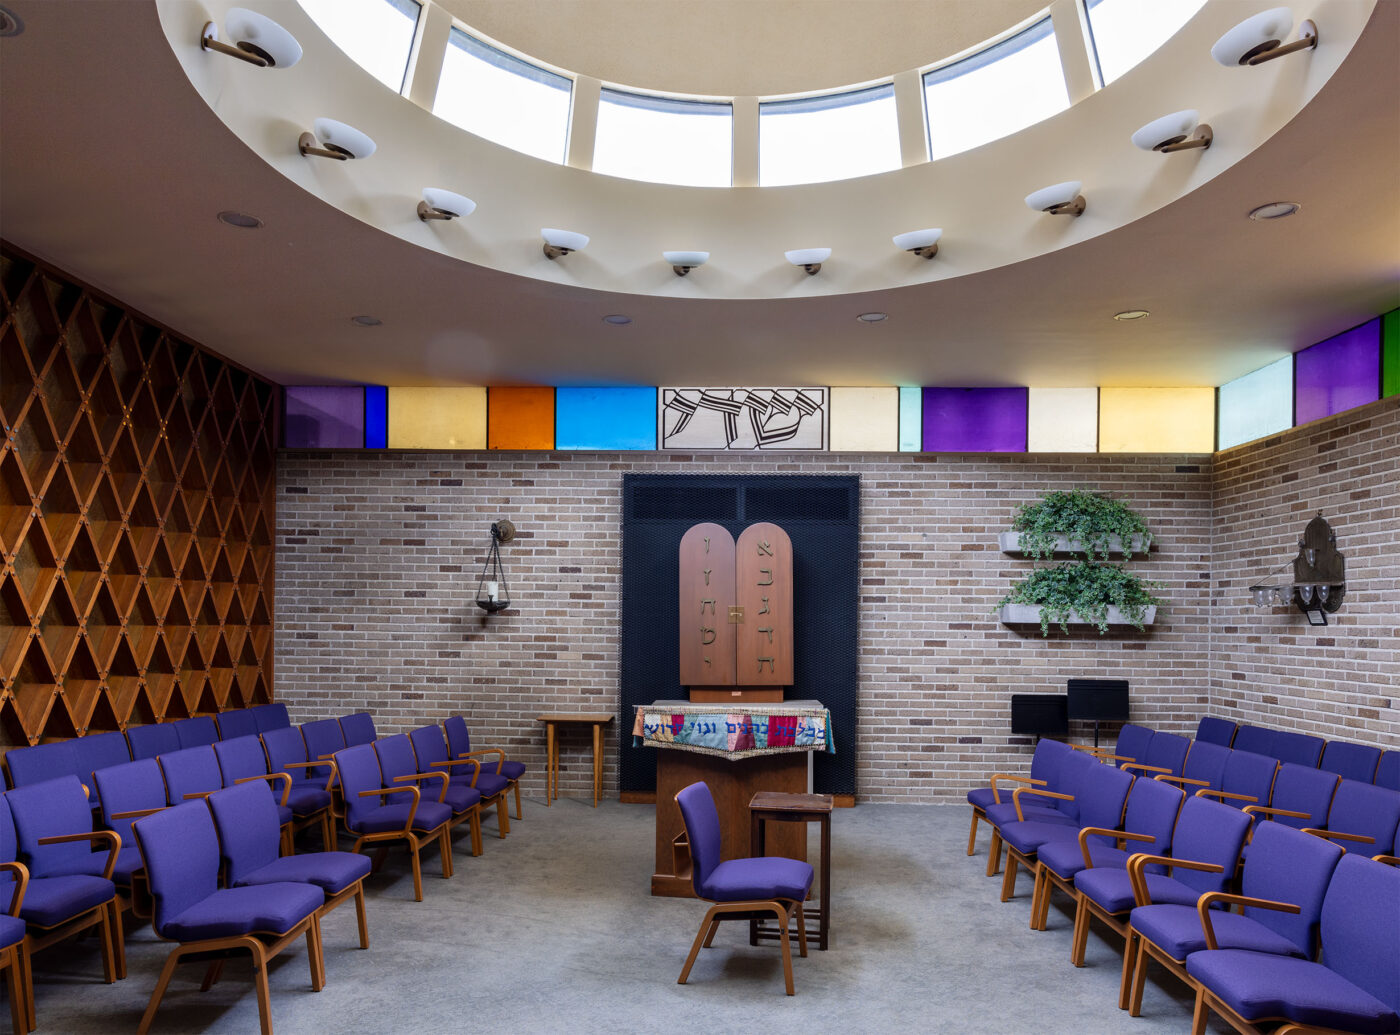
[[136, 517]]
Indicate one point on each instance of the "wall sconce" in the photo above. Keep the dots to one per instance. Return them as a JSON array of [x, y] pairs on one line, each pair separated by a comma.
[[1060, 199], [684, 262], [336, 140], [443, 204], [810, 259], [1319, 576], [923, 243], [1260, 38], [491, 592], [257, 39], [1175, 132], [562, 242]]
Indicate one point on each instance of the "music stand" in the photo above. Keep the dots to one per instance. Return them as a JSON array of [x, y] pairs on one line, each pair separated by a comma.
[[1097, 700]]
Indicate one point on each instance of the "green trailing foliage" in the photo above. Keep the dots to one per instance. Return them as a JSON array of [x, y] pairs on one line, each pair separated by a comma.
[[1089, 518], [1085, 589]]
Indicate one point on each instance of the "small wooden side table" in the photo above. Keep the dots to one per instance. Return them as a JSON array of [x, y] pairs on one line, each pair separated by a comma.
[[774, 806], [552, 719]]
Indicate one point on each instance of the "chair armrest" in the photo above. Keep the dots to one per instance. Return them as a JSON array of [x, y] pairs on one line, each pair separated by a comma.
[[1138, 863], [442, 791], [498, 752], [1206, 792], [1389, 860], [996, 777], [330, 776], [1144, 767], [283, 778], [197, 794], [1337, 835], [138, 813], [1121, 835], [1090, 749], [413, 809], [1109, 757], [1168, 778], [1264, 810], [1016, 797], [111, 837], [1203, 905], [21, 873]]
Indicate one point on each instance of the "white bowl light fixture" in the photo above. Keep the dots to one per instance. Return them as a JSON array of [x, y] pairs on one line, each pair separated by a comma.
[[923, 243], [1260, 38], [257, 39], [562, 242], [444, 204], [1179, 131], [1060, 199], [684, 262], [810, 259], [336, 140]]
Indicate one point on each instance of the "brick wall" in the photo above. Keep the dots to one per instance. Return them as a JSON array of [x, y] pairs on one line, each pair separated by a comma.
[[378, 556], [1270, 666]]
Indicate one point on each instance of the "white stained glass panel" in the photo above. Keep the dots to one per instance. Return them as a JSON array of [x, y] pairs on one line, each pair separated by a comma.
[[1126, 31], [834, 137], [664, 140], [504, 99], [376, 34], [1008, 86]]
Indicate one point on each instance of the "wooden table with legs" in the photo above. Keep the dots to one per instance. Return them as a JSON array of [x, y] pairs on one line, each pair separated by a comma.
[[552, 719], [774, 806]]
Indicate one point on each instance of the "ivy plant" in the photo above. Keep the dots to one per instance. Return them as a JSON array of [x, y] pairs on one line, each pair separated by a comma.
[[1089, 518], [1086, 589]]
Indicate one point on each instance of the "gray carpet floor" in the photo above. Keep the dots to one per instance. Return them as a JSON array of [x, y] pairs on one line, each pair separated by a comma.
[[554, 929]]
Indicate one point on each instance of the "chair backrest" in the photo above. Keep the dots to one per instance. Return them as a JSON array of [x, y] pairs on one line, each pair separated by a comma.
[[1101, 796], [1045, 763], [359, 771], [1302, 748], [191, 771], [322, 737], [1258, 739], [271, 716], [1207, 831], [358, 728], [99, 750], [129, 787], [1388, 770], [9, 852], [1353, 761], [1299, 788], [1215, 731], [249, 827], [1133, 741], [429, 747], [240, 758], [153, 739], [1364, 808], [1152, 809], [1354, 945], [240, 722], [284, 746], [196, 732], [1251, 774], [42, 762], [459, 738], [181, 851], [1073, 779], [1168, 751], [702, 831], [1206, 761], [1287, 865], [395, 760], [47, 809]]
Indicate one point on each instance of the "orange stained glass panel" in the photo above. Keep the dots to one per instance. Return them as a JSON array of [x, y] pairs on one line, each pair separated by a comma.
[[520, 418]]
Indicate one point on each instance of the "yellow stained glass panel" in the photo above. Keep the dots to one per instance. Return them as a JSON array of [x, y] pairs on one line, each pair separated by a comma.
[[437, 418], [1156, 420]]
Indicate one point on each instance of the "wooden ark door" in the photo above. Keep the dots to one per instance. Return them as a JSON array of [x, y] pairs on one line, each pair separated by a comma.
[[764, 575], [706, 591]]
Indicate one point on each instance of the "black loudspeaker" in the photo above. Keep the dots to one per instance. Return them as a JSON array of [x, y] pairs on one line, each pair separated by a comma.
[[1039, 715]]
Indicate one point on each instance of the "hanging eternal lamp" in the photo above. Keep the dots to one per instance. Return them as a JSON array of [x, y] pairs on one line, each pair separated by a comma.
[[491, 592]]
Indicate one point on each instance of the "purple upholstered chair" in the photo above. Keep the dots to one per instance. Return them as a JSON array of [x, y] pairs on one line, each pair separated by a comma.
[[1049, 754], [271, 716], [431, 751], [1215, 731], [181, 850], [1258, 739], [1166, 753], [1363, 818], [14, 955], [242, 759], [126, 793], [198, 731], [1027, 803], [1286, 866], [459, 743], [1301, 748], [358, 728], [239, 722], [1133, 741], [1302, 798], [153, 739], [1356, 987], [1248, 779], [1388, 771], [1205, 767], [737, 888], [398, 766], [1352, 761], [310, 796]]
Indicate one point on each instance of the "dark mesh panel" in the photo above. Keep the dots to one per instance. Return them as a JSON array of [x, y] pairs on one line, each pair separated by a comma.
[[822, 517]]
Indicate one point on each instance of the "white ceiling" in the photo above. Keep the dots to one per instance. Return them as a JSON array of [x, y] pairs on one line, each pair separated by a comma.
[[112, 166]]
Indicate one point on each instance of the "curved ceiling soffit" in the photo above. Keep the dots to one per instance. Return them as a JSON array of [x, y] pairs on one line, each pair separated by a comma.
[[976, 196]]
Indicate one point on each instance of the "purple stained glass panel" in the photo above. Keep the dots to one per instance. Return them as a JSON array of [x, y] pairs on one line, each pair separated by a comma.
[[325, 417], [1337, 374], [975, 420]]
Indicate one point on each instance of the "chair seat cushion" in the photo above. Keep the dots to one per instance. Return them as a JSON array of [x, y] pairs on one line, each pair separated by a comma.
[[308, 798], [11, 930], [460, 797], [430, 816], [512, 771], [128, 862], [1065, 858], [1004, 813], [332, 872], [52, 900], [1176, 930], [487, 784], [1028, 836], [981, 797], [738, 880], [1111, 889], [266, 908], [1255, 985]]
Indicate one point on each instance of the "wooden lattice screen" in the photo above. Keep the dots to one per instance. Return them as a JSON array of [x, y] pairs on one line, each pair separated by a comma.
[[136, 517]]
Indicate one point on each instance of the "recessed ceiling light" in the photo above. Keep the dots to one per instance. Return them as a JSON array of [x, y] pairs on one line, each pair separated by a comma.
[[1131, 314], [240, 219], [617, 319], [872, 317], [10, 24], [1275, 210], [366, 321]]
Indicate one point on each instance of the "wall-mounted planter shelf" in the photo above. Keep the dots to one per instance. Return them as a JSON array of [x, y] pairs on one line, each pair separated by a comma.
[[1010, 542], [1029, 614]]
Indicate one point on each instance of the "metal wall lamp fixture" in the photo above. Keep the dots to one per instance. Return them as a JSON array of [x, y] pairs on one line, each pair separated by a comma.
[[492, 594], [1179, 131], [1260, 38], [335, 140], [444, 204], [923, 243], [1319, 576], [1059, 199], [257, 39]]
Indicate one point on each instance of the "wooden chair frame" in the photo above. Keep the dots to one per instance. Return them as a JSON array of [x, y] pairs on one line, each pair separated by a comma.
[[471, 815], [1046, 879], [326, 816], [978, 812], [416, 841], [995, 846], [498, 800], [500, 760], [15, 959], [1015, 858], [780, 908], [1207, 1001]]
